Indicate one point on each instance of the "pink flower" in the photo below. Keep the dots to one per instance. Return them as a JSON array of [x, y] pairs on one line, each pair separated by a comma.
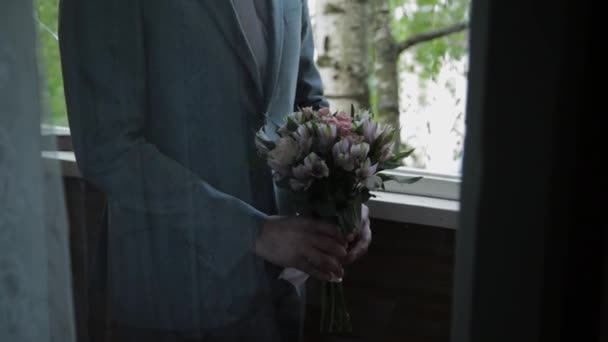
[[324, 112], [344, 130], [343, 117], [330, 120], [345, 124]]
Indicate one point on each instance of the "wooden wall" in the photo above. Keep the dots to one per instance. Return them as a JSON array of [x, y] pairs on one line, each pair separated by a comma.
[[401, 291]]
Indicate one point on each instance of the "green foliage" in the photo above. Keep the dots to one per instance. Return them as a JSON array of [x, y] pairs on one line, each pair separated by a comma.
[[47, 15], [414, 17]]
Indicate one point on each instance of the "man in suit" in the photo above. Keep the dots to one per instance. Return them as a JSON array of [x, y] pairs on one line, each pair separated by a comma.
[[164, 98]]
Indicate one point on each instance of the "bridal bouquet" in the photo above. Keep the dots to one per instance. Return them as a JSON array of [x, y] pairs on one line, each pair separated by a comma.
[[333, 161]]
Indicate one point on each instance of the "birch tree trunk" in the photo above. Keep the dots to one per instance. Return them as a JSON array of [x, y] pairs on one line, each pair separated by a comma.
[[385, 64], [342, 44]]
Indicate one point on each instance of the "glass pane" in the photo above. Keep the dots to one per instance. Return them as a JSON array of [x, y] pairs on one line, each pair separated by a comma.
[[47, 18], [433, 82]]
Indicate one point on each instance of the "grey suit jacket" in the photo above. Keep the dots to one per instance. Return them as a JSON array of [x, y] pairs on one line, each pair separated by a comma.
[[164, 99]]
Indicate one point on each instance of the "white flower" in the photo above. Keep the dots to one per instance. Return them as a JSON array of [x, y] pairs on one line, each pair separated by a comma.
[[316, 165], [283, 156], [304, 174], [296, 117], [360, 151], [308, 113], [372, 183], [366, 169], [301, 172], [302, 178], [327, 135], [323, 112], [304, 139], [342, 156], [386, 151], [367, 174], [377, 132], [362, 115], [385, 134], [370, 131]]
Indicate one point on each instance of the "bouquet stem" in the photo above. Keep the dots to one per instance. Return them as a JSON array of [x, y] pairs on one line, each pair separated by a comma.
[[335, 318]]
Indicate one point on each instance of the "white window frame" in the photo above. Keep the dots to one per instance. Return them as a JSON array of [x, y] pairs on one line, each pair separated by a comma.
[[432, 184], [433, 201]]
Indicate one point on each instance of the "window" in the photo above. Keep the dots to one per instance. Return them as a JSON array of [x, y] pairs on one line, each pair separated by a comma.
[[415, 77], [431, 79], [47, 18]]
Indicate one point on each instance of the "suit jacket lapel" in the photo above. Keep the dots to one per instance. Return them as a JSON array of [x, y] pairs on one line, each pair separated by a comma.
[[225, 17], [276, 48]]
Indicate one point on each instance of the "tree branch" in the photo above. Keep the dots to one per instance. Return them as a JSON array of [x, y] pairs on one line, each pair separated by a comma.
[[431, 35]]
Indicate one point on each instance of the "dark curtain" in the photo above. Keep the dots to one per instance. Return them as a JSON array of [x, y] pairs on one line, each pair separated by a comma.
[[530, 254]]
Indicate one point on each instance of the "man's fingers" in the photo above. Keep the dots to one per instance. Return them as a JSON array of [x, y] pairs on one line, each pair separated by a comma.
[[328, 229], [356, 252], [306, 266], [329, 246], [362, 245], [324, 263]]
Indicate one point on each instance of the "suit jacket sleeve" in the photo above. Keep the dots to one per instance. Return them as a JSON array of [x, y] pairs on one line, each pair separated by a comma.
[[105, 81], [309, 91]]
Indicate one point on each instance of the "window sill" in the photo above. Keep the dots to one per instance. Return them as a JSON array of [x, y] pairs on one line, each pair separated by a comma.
[[415, 209]]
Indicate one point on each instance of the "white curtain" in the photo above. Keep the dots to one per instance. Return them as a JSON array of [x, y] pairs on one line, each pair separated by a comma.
[[35, 281]]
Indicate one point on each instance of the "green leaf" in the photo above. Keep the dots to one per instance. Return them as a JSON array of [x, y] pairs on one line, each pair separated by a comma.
[[385, 177], [402, 155], [352, 110], [359, 130], [389, 165], [398, 179], [407, 180], [292, 126], [315, 128]]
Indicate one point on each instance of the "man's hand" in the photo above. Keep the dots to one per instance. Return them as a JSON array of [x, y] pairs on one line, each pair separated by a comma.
[[361, 242], [312, 246]]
